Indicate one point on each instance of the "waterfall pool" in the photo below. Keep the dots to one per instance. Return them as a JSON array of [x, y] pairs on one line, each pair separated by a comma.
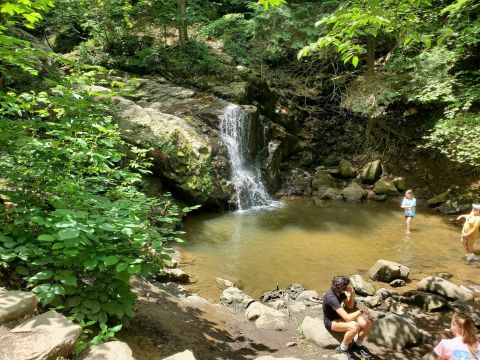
[[304, 243]]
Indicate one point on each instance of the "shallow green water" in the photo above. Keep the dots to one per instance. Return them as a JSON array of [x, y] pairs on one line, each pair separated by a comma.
[[302, 242]]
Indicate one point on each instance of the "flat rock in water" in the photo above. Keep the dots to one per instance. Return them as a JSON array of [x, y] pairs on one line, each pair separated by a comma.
[[113, 350], [44, 337], [16, 304], [314, 331], [186, 355], [235, 299], [387, 271], [224, 283], [396, 332], [266, 317], [445, 288]]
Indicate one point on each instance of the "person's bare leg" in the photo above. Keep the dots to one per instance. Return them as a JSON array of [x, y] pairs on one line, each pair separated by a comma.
[[464, 242], [408, 222], [365, 327], [350, 329]]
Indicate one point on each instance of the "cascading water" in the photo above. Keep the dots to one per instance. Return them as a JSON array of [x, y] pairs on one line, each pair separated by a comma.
[[236, 132]]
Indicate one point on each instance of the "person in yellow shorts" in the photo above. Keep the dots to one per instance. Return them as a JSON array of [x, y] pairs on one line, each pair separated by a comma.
[[471, 229]]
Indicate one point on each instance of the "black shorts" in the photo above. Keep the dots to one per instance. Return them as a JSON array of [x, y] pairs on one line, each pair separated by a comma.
[[328, 324]]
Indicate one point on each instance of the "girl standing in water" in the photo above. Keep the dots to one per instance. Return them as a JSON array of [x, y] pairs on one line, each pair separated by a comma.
[[409, 204]]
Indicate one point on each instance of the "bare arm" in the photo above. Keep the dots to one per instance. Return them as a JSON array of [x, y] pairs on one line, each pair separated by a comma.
[[348, 316], [350, 300]]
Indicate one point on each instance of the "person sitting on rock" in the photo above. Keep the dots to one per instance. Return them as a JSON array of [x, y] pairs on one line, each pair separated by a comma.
[[464, 345], [340, 315], [471, 229]]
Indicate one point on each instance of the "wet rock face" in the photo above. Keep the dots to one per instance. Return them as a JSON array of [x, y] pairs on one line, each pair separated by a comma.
[[183, 129]]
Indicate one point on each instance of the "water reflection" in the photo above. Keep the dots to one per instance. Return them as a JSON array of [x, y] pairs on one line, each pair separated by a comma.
[[301, 242]]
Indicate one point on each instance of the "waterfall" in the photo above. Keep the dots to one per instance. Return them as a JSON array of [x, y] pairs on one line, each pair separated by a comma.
[[237, 132]]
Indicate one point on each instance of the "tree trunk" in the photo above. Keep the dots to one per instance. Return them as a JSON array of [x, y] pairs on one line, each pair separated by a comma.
[[182, 22], [370, 55]]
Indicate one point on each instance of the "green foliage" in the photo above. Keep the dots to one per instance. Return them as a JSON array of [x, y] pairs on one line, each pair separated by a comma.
[[90, 336], [458, 139], [24, 12], [353, 22], [81, 228]]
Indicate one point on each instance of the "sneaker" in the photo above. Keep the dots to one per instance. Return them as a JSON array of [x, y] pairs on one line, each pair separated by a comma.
[[347, 352], [363, 351]]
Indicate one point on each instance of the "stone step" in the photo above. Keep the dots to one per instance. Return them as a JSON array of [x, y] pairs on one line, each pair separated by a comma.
[[16, 304], [113, 350], [186, 355], [44, 337]]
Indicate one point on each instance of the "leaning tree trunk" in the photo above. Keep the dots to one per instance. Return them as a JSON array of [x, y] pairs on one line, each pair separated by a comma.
[[182, 22], [370, 55]]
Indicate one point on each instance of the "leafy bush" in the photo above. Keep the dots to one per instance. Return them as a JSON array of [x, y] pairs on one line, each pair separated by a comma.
[[458, 139], [80, 228]]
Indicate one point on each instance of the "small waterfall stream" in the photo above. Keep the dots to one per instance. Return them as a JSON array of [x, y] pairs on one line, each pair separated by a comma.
[[236, 132]]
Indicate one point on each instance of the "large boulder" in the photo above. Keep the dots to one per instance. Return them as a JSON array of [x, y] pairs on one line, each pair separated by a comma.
[[314, 331], [438, 199], [322, 180], [361, 286], [371, 172], [181, 153], [346, 169], [445, 288], [387, 271], [456, 205], [425, 301], [44, 337], [386, 187], [331, 194], [16, 304], [266, 317], [235, 299], [185, 355], [175, 275], [400, 184], [113, 350], [395, 332], [354, 192]]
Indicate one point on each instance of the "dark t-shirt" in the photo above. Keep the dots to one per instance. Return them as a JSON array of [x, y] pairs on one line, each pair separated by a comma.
[[331, 303]]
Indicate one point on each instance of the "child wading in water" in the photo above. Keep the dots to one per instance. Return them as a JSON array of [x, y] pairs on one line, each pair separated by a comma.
[[471, 228], [409, 204]]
